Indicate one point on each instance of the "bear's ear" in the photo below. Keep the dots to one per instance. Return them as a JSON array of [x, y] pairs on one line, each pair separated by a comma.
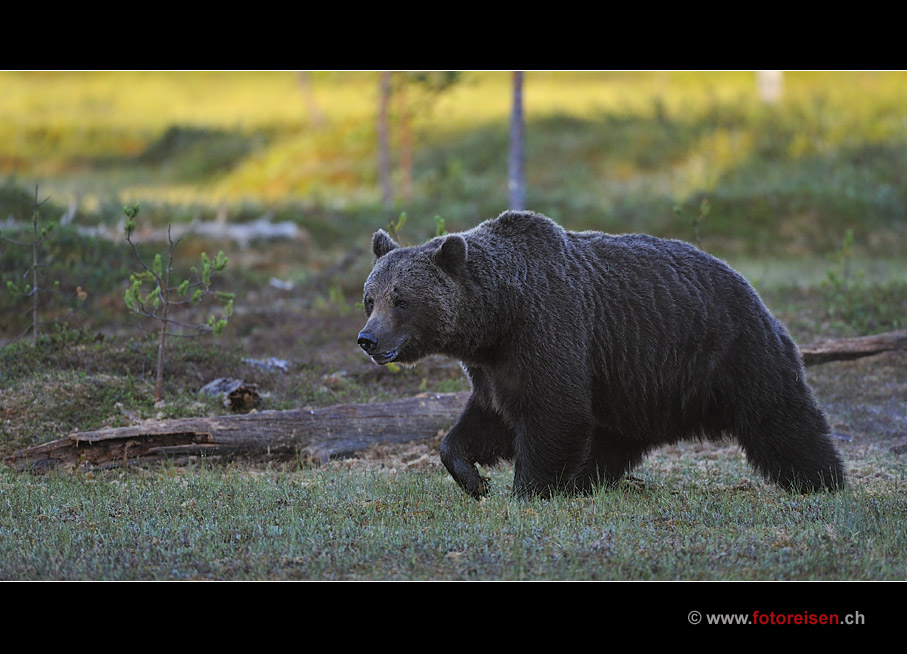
[[451, 256], [382, 243]]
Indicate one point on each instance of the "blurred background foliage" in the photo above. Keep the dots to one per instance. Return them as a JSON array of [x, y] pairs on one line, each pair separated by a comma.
[[784, 180], [610, 150]]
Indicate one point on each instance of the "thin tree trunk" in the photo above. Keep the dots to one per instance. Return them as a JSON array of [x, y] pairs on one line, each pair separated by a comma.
[[164, 283], [770, 84], [406, 142], [159, 376], [308, 95], [384, 157], [516, 177], [34, 270]]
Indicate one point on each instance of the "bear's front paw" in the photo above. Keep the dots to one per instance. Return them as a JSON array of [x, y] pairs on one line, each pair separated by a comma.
[[475, 484], [468, 477], [484, 486], [463, 469]]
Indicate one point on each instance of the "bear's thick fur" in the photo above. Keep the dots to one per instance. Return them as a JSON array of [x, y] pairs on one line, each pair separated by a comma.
[[587, 350]]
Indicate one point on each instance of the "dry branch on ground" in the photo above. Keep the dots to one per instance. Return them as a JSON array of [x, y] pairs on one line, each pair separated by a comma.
[[843, 349], [316, 434]]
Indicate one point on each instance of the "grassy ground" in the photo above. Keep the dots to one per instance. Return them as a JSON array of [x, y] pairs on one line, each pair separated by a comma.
[[690, 512], [350, 522], [785, 186]]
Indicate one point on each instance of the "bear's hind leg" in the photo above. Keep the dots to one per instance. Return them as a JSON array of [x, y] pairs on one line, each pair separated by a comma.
[[613, 456], [791, 446]]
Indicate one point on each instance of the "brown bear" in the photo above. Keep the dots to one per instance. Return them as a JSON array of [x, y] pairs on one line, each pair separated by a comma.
[[586, 350]]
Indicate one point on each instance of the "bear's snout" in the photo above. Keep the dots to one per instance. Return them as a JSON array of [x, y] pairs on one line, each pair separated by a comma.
[[367, 342], [383, 347]]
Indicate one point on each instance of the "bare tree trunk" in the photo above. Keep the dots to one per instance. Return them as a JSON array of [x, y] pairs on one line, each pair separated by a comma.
[[770, 84], [159, 371], [164, 282], [314, 111], [34, 269], [516, 178], [406, 141], [384, 157]]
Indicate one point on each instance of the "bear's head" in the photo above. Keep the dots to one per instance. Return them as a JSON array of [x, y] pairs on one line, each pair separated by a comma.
[[412, 298]]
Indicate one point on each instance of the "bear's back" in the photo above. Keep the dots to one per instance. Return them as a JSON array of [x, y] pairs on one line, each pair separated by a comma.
[[622, 287], [531, 241]]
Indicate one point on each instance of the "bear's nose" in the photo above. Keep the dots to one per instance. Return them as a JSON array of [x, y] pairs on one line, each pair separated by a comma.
[[367, 342]]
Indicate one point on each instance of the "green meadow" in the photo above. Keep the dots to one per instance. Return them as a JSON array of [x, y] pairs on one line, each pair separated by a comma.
[[805, 196]]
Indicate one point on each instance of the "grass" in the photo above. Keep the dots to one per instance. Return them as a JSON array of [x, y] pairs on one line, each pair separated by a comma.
[[330, 523], [786, 186], [690, 512]]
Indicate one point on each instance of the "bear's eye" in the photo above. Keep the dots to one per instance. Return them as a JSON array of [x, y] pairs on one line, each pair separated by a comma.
[[400, 304], [369, 305]]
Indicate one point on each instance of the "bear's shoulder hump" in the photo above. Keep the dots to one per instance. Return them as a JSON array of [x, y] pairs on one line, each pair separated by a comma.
[[513, 223]]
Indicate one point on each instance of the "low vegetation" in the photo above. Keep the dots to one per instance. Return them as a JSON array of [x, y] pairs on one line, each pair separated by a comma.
[[339, 522], [803, 197]]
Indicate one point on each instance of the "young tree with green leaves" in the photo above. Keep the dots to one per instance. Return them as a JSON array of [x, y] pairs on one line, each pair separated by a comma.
[[154, 293], [38, 237]]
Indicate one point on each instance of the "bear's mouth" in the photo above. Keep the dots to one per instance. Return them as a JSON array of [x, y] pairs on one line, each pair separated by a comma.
[[382, 358], [385, 357]]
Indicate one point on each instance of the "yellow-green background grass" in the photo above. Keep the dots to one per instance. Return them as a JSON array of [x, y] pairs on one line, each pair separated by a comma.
[[53, 124]]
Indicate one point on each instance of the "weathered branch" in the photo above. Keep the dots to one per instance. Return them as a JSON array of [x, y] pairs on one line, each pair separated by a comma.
[[319, 434], [843, 349]]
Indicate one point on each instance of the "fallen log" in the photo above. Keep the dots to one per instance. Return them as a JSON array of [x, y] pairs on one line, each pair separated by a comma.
[[316, 434], [843, 349]]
